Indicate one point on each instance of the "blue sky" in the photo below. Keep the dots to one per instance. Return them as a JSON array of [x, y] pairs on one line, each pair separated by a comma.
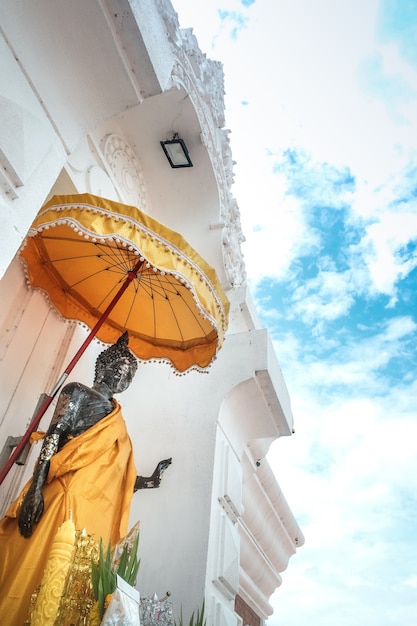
[[321, 99]]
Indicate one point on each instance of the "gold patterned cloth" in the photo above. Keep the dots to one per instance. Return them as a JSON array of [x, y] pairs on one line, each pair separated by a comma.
[[93, 476], [55, 576], [74, 606]]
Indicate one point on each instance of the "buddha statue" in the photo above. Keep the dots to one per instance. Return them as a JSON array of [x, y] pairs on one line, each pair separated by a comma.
[[85, 467]]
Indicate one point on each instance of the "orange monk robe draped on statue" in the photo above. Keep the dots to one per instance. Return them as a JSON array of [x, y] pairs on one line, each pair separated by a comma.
[[93, 476]]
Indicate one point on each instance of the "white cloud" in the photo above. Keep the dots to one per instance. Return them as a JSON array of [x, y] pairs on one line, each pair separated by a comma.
[[325, 297], [359, 365], [386, 76], [347, 473], [383, 248], [279, 232], [299, 73], [282, 233]]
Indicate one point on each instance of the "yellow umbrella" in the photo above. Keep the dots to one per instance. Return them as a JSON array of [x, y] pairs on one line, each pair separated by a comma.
[[80, 250], [115, 268]]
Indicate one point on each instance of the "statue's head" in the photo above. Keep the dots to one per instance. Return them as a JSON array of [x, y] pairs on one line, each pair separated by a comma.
[[116, 366]]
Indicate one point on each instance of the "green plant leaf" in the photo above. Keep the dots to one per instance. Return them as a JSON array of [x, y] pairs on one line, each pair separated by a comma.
[[198, 619], [94, 578]]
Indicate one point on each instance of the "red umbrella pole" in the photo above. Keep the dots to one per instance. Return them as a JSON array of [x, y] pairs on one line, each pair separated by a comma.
[[48, 399]]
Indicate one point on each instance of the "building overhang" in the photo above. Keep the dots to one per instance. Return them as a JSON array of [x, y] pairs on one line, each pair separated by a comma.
[[257, 410]]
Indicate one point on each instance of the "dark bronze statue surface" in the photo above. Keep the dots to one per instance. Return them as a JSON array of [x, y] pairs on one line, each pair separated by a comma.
[[78, 408], [153, 481]]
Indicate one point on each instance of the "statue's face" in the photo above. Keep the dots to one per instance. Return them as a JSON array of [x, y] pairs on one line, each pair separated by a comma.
[[118, 376]]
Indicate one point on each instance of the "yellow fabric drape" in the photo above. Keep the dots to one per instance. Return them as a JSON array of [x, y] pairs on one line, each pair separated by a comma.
[[93, 476]]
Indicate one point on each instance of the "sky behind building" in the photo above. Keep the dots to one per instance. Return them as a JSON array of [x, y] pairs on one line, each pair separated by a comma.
[[321, 100]]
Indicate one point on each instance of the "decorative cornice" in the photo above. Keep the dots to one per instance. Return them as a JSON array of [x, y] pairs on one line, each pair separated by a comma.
[[203, 80], [269, 536]]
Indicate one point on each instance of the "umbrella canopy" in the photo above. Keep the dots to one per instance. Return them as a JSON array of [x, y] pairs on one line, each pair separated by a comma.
[[81, 249]]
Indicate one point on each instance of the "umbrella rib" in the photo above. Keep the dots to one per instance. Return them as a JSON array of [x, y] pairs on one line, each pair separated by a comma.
[[155, 286], [175, 317], [136, 290], [153, 310], [84, 242], [117, 256], [112, 290], [164, 295], [103, 245], [172, 308], [110, 265], [121, 256], [147, 280], [80, 257], [85, 278], [192, 311]]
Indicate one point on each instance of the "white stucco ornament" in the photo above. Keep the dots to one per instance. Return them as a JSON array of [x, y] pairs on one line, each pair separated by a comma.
[[126, 170], [203, 80]]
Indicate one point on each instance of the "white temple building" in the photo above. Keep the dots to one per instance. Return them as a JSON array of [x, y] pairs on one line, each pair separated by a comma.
[[88, 90]]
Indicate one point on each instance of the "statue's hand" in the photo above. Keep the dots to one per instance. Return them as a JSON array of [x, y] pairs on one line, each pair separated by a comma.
[[160, 469], [152, 482], [31, 510]]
